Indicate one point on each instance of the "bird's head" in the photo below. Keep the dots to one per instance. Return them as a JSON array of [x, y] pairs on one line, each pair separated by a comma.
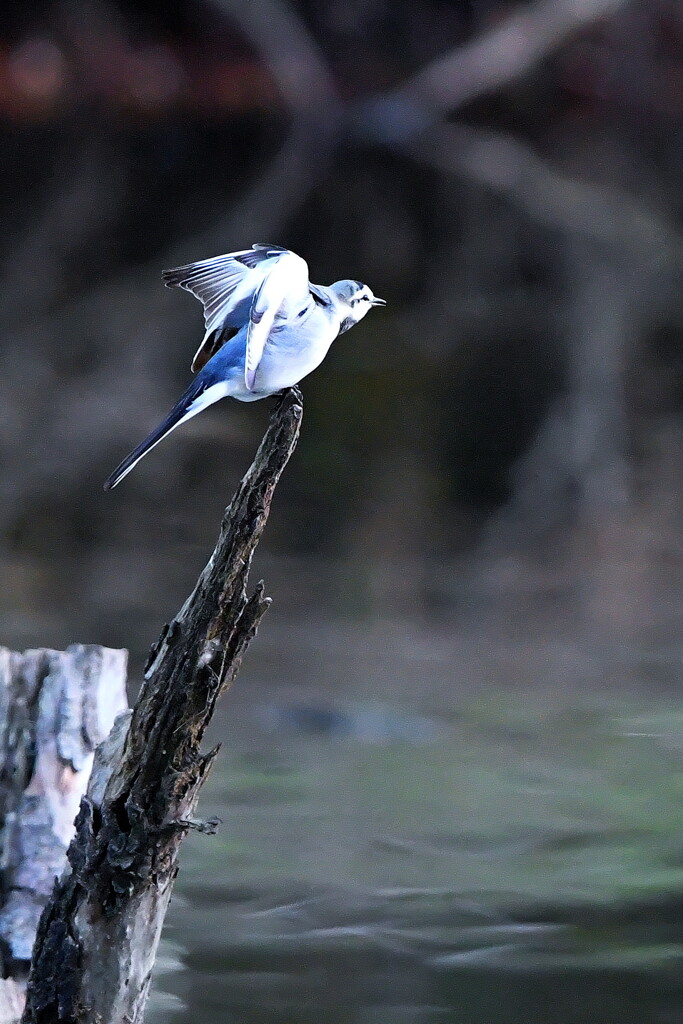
[[353, 300]]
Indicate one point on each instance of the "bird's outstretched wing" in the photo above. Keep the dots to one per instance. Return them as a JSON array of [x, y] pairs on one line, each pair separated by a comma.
[[283, 292], [225, 285]]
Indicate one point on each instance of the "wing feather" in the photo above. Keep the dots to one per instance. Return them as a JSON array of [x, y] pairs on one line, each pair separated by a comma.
[[214, 281], [284, 289], [230, 283]]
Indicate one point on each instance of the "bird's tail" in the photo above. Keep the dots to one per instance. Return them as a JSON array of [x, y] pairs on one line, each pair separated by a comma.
[[198, 396]]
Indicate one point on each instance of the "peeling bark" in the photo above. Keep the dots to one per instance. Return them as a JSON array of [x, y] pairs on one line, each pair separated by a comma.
[[55, 707], [97, 937]]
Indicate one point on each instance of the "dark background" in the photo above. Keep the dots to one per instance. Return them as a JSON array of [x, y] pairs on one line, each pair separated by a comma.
[[469, 683]]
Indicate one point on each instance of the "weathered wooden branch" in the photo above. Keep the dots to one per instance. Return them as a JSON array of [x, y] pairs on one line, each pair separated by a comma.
[[55, 707], [97, 937]]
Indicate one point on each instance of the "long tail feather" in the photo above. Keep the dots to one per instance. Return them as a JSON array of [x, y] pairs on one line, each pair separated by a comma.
[[197, 397]]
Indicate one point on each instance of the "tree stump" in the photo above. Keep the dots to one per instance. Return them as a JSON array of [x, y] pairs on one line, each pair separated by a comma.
[[55, 707]]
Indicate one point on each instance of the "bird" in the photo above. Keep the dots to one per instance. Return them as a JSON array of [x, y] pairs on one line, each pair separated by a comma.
[[267, 327]]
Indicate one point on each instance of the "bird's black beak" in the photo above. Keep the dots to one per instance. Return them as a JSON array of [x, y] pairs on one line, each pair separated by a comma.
[[378, 302]]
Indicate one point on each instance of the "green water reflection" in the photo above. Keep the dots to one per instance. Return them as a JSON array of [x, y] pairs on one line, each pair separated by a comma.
[[508, 855]]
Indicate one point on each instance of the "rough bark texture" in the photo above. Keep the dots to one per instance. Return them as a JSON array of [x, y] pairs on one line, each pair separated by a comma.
[[98, 936], [55, 707]]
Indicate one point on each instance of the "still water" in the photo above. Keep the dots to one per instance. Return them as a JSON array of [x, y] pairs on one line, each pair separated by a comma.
[[424, 824]]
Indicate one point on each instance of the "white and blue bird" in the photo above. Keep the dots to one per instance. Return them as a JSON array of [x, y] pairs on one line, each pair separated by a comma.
[[267, 327]]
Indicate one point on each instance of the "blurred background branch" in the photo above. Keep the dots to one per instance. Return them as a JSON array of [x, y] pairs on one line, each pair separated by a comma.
[[504, 164], [494, 59], [296, 64]]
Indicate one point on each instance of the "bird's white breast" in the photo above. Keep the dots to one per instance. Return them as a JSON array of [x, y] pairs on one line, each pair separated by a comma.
[[294, 350]]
